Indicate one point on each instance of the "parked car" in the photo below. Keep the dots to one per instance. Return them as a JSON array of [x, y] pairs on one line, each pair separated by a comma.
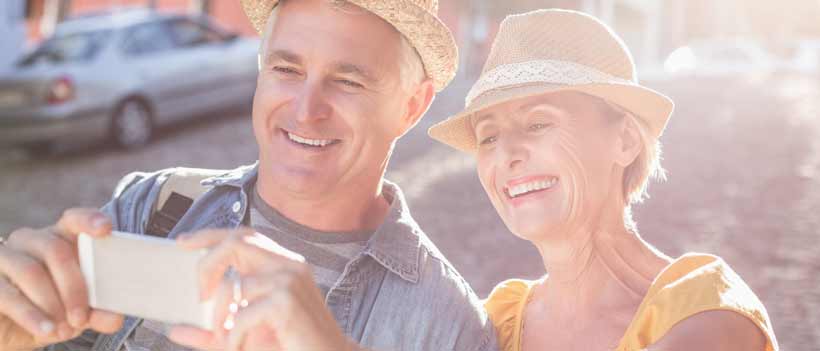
[[716, 58], [121, 76]]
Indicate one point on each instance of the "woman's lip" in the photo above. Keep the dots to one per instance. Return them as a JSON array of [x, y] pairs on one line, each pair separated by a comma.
[[527, 179], [534, 195]]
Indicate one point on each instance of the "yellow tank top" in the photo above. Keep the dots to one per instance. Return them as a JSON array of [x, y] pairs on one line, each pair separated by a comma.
[[691, 284]]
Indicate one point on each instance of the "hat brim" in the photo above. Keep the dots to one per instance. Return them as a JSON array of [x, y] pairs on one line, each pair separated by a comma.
[[649, 105], [430, 37]]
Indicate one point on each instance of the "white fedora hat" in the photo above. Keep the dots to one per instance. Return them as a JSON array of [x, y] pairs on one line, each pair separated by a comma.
[[417, 20], [546, 51]]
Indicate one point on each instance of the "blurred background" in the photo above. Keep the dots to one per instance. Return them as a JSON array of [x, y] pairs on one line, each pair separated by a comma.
[[93, 89]]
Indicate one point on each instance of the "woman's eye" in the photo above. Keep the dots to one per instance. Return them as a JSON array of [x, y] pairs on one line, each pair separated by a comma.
[[539, 126], [488, 140], [350, 83]]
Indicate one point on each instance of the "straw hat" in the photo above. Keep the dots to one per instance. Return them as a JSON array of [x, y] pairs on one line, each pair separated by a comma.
[[416, 19], [547, 51]]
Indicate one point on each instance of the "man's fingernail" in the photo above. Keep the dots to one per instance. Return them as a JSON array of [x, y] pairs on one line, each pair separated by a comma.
[[64, 331], [99, 222], [77, 317], [46, 327]]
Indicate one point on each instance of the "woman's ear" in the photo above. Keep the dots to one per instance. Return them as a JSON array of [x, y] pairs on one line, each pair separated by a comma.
[[417, 105], [630, 142]]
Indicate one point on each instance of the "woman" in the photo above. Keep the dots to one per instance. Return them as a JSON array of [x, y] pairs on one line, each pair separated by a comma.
[[565, 141]]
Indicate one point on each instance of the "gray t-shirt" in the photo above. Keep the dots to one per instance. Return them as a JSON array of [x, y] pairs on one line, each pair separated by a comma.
[[327, 254]]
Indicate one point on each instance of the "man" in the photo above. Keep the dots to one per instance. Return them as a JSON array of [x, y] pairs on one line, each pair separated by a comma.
[[339, 83]]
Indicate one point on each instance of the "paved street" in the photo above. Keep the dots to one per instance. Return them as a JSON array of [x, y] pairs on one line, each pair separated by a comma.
[[744, 183]]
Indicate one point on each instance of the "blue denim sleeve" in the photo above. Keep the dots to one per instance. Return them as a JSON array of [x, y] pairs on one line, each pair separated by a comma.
[[458, 308]]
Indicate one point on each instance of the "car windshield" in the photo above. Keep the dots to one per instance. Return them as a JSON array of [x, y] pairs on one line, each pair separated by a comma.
[[72, 47]]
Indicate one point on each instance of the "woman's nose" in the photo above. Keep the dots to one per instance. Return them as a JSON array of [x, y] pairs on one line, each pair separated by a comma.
[[514, 151]]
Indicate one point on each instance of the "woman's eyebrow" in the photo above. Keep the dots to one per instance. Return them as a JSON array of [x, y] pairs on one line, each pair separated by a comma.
[[481, 118], [544, 107]]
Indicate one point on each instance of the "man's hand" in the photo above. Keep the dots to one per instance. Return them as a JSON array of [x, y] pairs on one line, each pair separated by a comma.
[[43, 297], [283, 308]]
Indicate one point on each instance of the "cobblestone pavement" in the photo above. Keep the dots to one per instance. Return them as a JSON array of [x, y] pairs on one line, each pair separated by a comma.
[[743, 157]]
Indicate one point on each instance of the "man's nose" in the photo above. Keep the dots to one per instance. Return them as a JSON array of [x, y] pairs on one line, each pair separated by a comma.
[[312, 103]]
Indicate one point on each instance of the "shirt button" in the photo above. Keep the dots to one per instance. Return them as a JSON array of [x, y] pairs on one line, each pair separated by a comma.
[[236, 207]]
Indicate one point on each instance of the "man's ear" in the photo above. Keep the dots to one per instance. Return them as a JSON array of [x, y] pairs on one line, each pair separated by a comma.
[[417, 105], [630, 143]]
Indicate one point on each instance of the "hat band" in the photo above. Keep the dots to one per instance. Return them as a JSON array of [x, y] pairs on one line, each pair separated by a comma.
[[539, 71]]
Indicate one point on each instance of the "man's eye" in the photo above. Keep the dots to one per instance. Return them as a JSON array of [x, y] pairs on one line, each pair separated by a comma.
[[350, 83], [285, 70], [488, 140]]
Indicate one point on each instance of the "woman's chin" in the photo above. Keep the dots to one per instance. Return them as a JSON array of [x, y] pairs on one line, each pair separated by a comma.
[[534, 230]]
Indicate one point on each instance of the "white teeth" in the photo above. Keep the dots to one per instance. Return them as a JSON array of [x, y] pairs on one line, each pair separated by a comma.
[[306, 141], [525, 188]]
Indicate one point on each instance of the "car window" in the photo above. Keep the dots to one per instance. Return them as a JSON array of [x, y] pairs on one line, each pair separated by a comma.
[[147, 39], [82, 46], [187, 33]]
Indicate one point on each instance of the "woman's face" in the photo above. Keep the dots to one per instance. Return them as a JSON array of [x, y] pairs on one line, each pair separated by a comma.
[[550, 161]]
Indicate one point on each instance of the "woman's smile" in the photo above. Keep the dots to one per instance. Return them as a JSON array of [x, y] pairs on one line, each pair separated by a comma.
[[530, 188]]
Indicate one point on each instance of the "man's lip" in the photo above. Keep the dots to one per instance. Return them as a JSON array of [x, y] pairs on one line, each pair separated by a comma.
[[285, 132]]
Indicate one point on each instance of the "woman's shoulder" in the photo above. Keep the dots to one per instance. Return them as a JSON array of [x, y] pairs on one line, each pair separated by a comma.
[[696, 286], [508, 295], [504, 306]]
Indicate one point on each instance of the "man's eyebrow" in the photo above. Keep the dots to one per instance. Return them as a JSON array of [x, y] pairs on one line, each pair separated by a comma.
[[283, 55], [354, 69]]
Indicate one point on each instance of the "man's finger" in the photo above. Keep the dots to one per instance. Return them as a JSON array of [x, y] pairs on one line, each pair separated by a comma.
[[209, 237], [254, 316], [259, 286], [195, 338], [244, 254], [15, 306], [223, 298], [63, 265], [104, 321], [83, 220], [33, 281]]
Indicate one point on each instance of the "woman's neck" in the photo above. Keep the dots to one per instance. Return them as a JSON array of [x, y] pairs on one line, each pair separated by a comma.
[[595, 267]]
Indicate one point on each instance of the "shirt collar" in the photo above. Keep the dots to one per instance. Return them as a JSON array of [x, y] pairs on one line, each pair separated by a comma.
[[238, 177], [395, 244]]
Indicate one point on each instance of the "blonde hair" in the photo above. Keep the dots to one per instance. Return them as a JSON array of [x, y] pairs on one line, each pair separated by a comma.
[[411, 67], [646, 166]]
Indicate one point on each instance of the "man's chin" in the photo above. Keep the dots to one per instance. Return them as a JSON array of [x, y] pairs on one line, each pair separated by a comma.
[[302, 180]]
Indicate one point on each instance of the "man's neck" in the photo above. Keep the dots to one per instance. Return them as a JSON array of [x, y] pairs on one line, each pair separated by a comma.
[[362, 209]]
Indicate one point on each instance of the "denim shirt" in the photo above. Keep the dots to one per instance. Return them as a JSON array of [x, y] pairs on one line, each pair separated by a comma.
[[400, 293]]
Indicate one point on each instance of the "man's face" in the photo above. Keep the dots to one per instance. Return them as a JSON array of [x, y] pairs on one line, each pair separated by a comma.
[[329, 102]]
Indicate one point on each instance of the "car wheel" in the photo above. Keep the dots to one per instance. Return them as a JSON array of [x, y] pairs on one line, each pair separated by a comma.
[[133, 125]]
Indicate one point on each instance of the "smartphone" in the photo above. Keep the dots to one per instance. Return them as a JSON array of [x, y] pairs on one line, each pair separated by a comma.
[[144, 276]]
